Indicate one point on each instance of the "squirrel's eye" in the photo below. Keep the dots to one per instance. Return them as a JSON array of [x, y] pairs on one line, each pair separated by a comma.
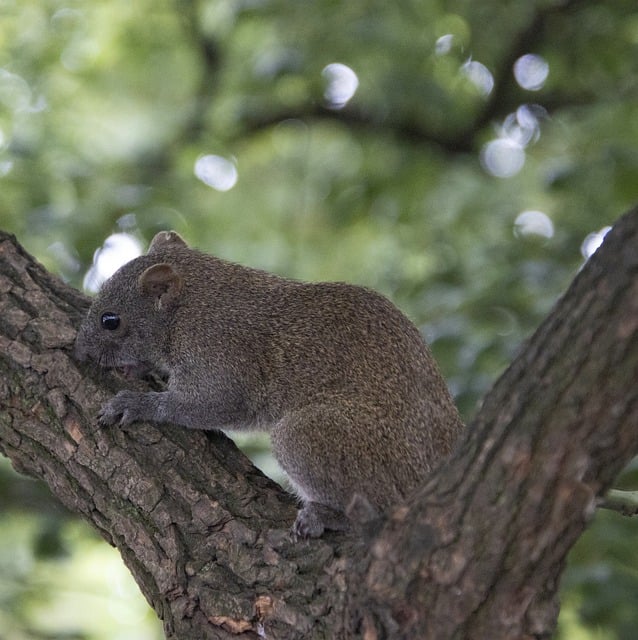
[[110, 321]]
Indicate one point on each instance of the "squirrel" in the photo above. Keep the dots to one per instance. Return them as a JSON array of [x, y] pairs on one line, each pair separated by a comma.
[[344, 383]]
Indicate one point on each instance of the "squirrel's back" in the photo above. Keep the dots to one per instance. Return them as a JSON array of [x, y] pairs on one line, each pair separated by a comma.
[[307, 341]]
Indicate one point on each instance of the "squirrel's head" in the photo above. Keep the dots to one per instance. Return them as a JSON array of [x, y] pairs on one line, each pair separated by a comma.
[[128, 324]]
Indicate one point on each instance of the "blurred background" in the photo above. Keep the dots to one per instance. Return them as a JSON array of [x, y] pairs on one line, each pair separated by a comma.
[[464, 158]]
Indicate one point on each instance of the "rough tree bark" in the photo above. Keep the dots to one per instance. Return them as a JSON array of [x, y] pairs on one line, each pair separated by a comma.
[[476, 553]]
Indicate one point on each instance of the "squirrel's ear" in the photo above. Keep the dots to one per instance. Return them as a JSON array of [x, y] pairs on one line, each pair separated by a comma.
[[161, 282], [165, 239]]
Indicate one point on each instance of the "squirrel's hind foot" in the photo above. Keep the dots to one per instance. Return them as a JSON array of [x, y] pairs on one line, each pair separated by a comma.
[[314, 518]]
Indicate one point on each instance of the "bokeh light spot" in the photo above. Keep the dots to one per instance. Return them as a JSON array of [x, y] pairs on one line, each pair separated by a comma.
[[533, 223], [444, 44], [522, 126], [216, 172], [480, 76], [15, 92], [503, 157], [341, 84], [118, 249], [531, 71], [592, 242]]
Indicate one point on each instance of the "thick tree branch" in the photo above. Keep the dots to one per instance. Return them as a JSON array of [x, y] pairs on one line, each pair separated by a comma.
[[476, 553]]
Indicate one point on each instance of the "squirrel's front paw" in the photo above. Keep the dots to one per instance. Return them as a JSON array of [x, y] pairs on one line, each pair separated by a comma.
[[124, 408]]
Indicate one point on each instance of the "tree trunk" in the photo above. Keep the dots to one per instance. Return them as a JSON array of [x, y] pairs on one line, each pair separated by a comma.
[[476, 553]]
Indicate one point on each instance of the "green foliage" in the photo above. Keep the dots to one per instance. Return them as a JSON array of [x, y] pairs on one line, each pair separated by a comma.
[[105, 108]]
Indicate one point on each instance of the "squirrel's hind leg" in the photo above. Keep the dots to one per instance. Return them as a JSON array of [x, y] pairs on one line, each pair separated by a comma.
[[322, 448]]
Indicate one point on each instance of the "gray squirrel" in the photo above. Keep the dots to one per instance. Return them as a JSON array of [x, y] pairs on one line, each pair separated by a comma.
[[340, 378]]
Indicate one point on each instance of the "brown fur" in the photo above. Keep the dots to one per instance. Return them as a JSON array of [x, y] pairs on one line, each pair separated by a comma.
[[341, 379]]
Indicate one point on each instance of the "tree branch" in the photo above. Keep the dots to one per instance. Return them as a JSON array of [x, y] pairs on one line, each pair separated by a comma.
[[624, 502]]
